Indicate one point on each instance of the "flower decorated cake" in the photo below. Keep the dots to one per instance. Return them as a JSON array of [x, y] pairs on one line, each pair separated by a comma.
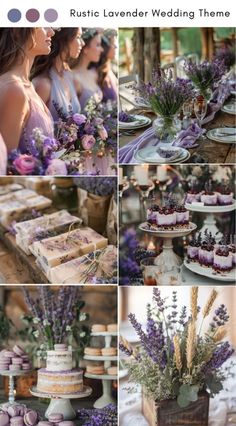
[[58, 377], [194, 247], [221, 196], [223, 259], [224, 195], [209, 197]]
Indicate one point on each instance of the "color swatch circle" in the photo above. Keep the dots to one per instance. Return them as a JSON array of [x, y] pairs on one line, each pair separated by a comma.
[[32, 15], [14, 15], [50, 15]]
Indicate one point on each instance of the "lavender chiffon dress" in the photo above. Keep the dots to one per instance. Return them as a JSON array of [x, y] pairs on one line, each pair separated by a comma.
[[58, 99], [39, 117]]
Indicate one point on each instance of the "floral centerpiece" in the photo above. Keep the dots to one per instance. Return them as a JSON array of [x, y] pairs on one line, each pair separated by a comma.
[[176, 360], [55, 317], [166, 97], [205, 75]]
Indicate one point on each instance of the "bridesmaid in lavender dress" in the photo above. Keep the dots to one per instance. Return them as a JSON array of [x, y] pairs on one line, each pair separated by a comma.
[[21, 109], [107, 80], [52, 77], [86, 76], [3, 157]]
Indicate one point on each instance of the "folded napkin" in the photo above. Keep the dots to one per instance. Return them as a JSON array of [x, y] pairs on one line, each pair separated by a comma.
[[187, 138]]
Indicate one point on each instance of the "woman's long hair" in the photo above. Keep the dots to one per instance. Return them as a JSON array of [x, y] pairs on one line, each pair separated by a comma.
[[102, 66], [12, 43], [60, 41], [88, 34]]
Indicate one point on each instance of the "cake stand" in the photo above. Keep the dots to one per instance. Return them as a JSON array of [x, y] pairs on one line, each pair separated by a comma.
[[107, 379], [168, 256], [61, 403], [210, 222], [209, 272], [12, 375]]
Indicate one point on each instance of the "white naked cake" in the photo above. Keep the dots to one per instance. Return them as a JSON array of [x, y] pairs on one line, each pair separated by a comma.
[[58, 377]]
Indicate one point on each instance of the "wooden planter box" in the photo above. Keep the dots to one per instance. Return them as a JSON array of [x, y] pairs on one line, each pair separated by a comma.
[[168, 413]]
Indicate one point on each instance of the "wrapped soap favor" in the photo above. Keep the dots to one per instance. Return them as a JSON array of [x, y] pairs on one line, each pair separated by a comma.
[[62, 248], [99, 266], [43, 227]]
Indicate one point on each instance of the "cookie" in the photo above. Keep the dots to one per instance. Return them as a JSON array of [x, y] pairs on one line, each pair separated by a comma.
[[109, 351], [112, 371], [18, 350], [98, 328], [92, 351], [112, 328], [95, 369]]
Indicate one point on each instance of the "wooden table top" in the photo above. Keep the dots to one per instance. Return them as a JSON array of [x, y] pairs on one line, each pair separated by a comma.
[[208, 150]]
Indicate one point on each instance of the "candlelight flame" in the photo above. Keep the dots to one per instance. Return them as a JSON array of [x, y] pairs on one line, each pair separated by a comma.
[[151, 246]]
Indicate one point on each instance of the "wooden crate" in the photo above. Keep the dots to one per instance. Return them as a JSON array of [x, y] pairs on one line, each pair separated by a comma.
[[168, 413]]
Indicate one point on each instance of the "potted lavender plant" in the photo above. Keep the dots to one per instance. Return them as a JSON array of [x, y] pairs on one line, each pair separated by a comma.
[[166, 97], [178, 365], [205, 75]]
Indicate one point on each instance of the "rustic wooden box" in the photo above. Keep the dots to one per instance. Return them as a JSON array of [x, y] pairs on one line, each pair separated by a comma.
[[168, 413]]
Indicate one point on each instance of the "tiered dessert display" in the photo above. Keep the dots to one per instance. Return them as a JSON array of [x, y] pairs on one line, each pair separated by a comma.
[[168, 222], [210, 202], [63, 250], [14, 363], [60, 382], [105, 356], [214, 260]]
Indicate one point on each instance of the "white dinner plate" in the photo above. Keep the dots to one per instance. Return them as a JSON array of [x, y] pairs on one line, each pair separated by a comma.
[[150, 155], [141, 121], [229, 108], [218, 134], [210, 273]]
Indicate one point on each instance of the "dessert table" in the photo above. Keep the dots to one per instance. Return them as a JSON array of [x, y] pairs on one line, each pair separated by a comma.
[[209, 150]]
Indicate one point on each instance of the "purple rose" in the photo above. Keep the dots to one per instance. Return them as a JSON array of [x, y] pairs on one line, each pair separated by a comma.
[[56, 167], [88, 141], [25, 164], [79, 119]]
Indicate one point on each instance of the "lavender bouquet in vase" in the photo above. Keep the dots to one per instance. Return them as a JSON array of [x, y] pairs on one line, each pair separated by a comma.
[[178, 364], [166, 97], [55, 317], [205, 75]]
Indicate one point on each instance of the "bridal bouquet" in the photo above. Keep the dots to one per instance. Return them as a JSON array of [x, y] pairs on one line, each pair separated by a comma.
[[175, 358], [205, 75]]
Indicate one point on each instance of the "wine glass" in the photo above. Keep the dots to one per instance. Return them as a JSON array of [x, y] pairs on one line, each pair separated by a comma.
[[200, 109]]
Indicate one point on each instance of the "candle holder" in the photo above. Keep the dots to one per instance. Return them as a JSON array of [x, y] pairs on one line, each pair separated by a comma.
[[144, 192]]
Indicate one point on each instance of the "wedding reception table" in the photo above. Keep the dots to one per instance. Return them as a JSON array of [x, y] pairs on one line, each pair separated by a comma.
[[207, 149]]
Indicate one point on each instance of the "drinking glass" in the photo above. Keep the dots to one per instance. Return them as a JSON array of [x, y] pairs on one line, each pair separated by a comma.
[[200, 109]]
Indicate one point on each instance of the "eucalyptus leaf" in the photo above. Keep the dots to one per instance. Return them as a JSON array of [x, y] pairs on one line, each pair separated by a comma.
[[182, 401], [184, 390]]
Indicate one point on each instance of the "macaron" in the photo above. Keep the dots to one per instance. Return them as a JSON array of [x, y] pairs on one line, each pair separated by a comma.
[[66, 423], [45, 423], [18, 350], [31, 418], [14, 367], [17, 360], [55, 418], [4, 367], [9, 354], [13, 411], [4, 419], [17, 421], [26, 366], [96, 328], [25, 357], [60, 347]]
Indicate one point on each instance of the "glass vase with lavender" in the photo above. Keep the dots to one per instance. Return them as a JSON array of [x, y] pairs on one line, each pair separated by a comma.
[[205, 76], [166, 97]]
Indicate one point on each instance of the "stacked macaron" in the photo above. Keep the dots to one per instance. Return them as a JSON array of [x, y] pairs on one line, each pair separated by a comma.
[[18, 415], [56, 419], [101, 328], [14, 360]]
